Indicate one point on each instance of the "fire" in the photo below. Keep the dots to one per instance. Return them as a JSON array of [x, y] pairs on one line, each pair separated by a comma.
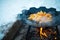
[[41, 17], [42, 33]]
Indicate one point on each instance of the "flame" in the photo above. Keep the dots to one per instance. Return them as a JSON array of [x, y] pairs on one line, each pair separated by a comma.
[[45, 33], [41, 17], [42, 33]]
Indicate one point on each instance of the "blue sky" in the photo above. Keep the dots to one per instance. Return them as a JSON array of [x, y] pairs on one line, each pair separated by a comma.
[[10, 8]]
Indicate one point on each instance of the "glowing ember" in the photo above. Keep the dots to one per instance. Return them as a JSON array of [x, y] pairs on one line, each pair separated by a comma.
[[41, 17]]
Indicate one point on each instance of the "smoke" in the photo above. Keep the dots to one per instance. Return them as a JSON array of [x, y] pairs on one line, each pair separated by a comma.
[[25, 14]]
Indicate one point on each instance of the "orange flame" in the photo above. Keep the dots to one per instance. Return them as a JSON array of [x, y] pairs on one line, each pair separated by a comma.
[[46, 32], [41, 17], [42, 33]]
